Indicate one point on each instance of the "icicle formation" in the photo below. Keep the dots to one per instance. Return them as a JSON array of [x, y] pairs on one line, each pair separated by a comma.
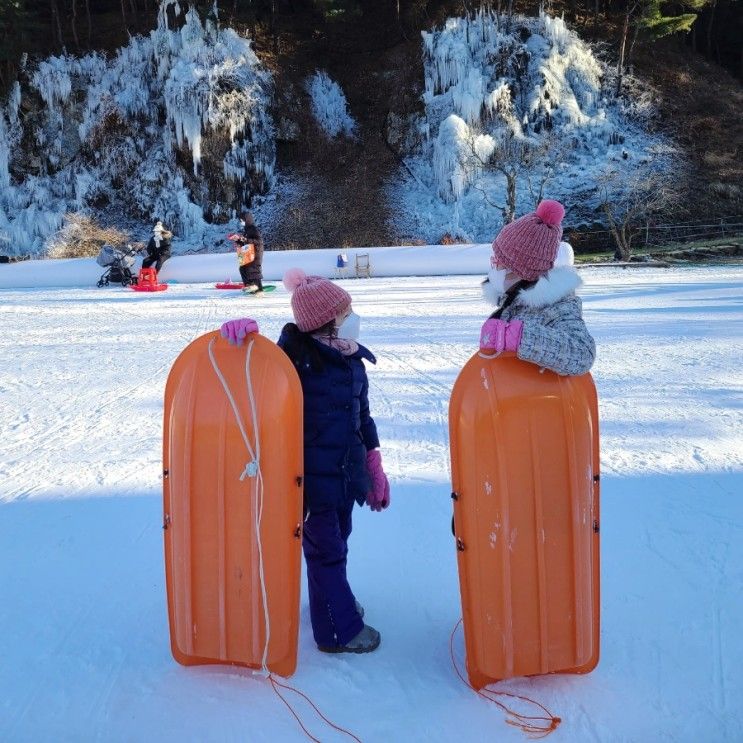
[[99, 137], [329, 105], [10, 134], [517, 84], [458, 156]]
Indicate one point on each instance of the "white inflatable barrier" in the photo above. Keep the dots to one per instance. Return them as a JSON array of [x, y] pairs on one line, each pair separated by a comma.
[[417, 260]]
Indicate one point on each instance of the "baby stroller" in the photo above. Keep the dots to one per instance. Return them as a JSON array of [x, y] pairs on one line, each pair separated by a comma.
[[118, 263]]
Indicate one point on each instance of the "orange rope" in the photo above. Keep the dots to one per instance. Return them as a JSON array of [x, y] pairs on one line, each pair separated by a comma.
[[536, 726], [275, 683]]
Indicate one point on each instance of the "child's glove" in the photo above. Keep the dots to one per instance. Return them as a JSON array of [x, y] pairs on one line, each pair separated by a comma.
[[235, 330], [378, 497], [499, 335]]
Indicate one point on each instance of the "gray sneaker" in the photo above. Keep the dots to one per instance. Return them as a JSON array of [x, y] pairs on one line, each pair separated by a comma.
[[365, 642], [359, 609]]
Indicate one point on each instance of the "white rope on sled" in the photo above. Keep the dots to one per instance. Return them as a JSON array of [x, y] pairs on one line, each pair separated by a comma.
[[252, 469]]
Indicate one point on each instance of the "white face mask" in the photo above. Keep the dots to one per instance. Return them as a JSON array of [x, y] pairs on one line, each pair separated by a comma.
[[494, 288], [242, 223], [350, 327]]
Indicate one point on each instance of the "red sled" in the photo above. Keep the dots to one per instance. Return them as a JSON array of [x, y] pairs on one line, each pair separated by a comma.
[[147, 281], [229, 285]]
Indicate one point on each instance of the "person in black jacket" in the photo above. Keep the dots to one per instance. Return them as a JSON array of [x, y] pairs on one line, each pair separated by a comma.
[[342, 461], [158, 249], [249, 245]]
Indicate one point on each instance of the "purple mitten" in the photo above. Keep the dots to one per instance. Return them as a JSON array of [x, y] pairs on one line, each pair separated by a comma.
[[235, 330], [379, 495], [499, 335], [386, 497]]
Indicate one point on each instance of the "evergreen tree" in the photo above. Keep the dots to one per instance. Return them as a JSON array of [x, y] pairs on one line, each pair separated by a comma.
[[649, 17], [654, 21]]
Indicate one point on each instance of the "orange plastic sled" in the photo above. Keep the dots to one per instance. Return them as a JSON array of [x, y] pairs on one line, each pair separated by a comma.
[[525, 476], [214, 551]]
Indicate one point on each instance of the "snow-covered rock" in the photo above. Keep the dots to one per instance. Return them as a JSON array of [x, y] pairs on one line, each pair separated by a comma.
[[329, 106], [526, 95], [133, 133]]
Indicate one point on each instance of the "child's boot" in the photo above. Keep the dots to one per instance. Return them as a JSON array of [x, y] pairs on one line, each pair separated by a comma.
[[365, 642]]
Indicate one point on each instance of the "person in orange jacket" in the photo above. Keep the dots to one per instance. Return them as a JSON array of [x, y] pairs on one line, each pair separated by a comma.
[[249, 246]]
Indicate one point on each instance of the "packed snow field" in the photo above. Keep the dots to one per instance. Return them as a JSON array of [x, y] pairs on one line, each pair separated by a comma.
[[83, 625]]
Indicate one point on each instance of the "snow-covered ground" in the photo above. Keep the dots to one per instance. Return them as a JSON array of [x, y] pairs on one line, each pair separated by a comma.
[[83, 629]]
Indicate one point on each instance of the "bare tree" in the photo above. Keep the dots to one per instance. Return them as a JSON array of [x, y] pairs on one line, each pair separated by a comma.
[[631, 8], [74, 23], [629, 201], [123, 17], [595, 22], [517, 159], [57, 23], [541, 162], [90, 22], [710, 25]]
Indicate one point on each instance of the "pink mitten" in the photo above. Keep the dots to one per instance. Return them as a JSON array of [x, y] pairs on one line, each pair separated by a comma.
[[499, 335], [235, 330], [378, 497]]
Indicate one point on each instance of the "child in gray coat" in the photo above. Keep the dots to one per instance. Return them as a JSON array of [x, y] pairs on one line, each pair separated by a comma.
[[532, 283]]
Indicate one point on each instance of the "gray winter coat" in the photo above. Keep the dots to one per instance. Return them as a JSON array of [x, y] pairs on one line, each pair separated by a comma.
[[555, 336]]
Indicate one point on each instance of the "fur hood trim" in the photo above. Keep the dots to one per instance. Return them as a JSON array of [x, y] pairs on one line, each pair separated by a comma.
[[555, 285]]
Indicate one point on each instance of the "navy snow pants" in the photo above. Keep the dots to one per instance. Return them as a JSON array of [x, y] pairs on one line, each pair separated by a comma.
[[335, 620]]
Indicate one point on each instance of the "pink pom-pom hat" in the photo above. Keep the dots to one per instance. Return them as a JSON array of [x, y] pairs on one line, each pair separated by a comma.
[[550, 212], [315, 300], [528, 246], [293, 277]]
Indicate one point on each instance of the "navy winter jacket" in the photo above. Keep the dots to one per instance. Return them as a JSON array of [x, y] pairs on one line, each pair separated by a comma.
[[338, 430]]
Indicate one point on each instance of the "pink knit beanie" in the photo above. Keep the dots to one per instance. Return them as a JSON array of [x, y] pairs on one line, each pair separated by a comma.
[[315, 301], [529, 245]]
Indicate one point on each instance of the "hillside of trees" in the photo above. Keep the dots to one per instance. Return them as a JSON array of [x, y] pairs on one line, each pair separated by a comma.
[[688, 55], [712, 28]]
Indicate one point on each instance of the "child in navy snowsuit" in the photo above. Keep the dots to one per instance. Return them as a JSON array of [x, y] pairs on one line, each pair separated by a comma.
[[342, 462]]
